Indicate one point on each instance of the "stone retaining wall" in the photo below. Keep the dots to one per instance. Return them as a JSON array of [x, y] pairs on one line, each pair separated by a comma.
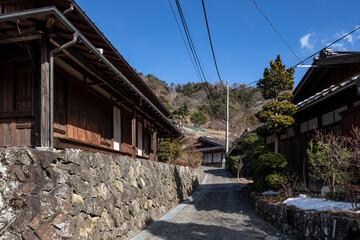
[[302, 224], [72, 194]]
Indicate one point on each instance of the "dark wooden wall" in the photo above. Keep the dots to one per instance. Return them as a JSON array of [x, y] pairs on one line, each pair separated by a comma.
[[350, 119], [16, 5], [126, 139], [295, 150], [17, 108], [80, 114]]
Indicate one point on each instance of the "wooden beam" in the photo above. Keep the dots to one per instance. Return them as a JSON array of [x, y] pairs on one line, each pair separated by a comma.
[[93, 70], [95, 84], [20, 39], [44, 89], [133, 133], [154, 142], [26, 31], [49, 22], [171, 149]]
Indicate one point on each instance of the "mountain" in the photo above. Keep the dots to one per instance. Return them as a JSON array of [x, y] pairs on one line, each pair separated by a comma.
[[194, 103]]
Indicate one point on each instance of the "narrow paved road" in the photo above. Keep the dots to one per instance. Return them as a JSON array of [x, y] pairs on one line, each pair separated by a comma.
[[219, 211]]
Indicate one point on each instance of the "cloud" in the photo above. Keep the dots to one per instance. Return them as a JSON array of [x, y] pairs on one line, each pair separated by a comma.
[[305, 42], [339, 47], [350, 39]]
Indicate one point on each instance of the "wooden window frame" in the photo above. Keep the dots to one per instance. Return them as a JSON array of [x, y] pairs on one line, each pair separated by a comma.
[[15, 111]]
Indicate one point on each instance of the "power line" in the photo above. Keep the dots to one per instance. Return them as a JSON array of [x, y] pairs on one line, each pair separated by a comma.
[[212, 48], [278, 33], [187, 49], [192, 47], [189, 39], [329, 45]]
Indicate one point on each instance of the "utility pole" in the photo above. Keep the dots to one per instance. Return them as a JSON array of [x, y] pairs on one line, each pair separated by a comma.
[[227, 123]]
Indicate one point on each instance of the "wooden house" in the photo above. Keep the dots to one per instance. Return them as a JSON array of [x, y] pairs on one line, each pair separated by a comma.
[[213, 150], [63, 84], [328, 98]]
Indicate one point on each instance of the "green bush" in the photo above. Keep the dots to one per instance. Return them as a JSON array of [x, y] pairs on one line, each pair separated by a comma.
[[274, 160], [276, 179]]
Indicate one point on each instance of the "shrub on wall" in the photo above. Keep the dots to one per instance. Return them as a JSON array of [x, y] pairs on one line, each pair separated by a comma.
[[335, 160]]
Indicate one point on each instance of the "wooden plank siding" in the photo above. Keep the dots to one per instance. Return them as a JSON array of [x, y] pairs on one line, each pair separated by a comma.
[[89, 117], [16, 5], [17, 120], [126, 140], [350, 119]]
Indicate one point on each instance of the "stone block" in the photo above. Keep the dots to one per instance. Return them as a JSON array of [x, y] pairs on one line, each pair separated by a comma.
[[103, 190], [35, 222], [118, 217], [27, 187], [24, 156], [134, 208], [33, 204], [10, 156], [79, 185], [119, 185], [46, 232], [46, 158], [71, 156], [65, 206], [108, 220], [63, 191], [99, 206], [17, 170], [89, 204], [110, 203], [63, 225], [22, 221], [29, 235], [11, 236], [78, 204], [37, 174], [49, 201], [117, 173]]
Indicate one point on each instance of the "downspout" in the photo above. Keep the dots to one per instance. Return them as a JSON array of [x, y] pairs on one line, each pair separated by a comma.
[[51, 69], [69, 9]]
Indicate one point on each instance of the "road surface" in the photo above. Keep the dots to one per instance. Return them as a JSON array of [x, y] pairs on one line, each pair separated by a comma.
[[219, 210]]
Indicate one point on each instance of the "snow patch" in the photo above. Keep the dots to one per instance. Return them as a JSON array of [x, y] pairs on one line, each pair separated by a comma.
[[269, 193], [320, 204]]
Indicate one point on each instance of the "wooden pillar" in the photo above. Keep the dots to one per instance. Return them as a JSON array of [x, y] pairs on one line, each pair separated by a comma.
[[154, 142], [44, 92], [133, 133], [171, 149]]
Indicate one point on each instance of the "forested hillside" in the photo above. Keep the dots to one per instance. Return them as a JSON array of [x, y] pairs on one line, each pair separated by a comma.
[[204, 105]]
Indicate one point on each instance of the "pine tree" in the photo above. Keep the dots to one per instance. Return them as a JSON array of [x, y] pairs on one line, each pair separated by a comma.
[[198, 118], [276, 86]]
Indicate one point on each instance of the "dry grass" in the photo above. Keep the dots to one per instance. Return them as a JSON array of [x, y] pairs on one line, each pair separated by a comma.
[[190, 157]]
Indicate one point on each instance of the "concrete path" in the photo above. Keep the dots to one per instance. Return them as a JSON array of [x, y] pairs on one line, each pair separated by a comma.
[[218, 210]]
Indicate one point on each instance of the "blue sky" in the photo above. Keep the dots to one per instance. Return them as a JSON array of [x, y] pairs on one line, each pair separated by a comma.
[[146, 34]]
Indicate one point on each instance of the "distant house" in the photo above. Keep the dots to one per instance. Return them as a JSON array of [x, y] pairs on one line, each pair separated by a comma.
[[327, 98], [64, 85], [213, 150]]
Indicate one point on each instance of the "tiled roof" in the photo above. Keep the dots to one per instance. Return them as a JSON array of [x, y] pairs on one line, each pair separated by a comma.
[[327, 91]]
